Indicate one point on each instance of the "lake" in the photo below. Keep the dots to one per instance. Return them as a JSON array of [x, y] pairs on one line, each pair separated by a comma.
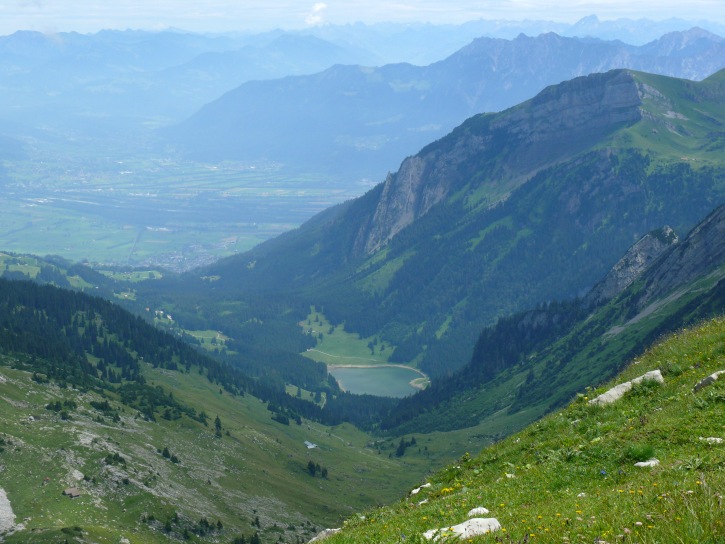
[[383, 381]]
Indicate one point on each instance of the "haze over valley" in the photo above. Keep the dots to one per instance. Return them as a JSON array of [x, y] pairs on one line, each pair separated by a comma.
[[258, 281], [128, 140]]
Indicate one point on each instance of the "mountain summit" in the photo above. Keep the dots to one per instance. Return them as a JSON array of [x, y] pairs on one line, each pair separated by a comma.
[[559, 123], [532, 204]]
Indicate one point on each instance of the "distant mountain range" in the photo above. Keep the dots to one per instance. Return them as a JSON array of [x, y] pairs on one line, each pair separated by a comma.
[[134, 80], [355, 121], [117, 79]]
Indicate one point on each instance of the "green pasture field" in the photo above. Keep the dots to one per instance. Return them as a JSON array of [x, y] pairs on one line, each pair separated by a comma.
[[209, 339], [339, 347], [20, 263]]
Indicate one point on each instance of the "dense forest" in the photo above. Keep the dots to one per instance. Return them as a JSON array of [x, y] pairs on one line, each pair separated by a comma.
[[88, 342], [554, 334]]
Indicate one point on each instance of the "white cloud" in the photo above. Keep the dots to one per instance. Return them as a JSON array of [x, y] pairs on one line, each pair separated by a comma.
[[316, 16]]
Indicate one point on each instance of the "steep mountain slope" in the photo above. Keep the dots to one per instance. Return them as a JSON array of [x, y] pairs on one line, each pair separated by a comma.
[[356, 120], [539, 359], [572, 476], [513, 209], [159, 441]]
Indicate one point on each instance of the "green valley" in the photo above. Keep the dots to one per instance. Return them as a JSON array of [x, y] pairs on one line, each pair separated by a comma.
[[92, 202], [161, 442], [501, 275]]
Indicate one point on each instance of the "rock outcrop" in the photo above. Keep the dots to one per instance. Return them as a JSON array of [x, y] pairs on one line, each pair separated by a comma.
[[7, 517], [701, 252], [709, 380], [618, 391], [637, 259]]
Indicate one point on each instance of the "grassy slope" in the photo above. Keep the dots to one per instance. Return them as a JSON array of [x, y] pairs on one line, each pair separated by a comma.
[[336, 346], [570, 477], [259, 469]]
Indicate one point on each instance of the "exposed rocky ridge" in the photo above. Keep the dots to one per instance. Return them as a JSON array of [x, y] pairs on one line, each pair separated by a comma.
[[637, 259], [556, 124], [699, 254]]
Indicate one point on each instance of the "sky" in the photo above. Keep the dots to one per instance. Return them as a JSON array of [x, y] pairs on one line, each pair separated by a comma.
[[259, 15]]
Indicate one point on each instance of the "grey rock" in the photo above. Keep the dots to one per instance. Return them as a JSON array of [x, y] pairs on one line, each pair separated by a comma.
[[709, 380], [637, 259], [467, 529], [322, 535]]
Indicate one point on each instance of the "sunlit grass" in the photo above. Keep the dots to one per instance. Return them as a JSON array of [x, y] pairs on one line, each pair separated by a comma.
[[336, 346], [571, 476]]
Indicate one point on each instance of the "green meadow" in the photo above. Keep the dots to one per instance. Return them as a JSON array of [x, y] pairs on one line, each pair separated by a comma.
[[360, 365]]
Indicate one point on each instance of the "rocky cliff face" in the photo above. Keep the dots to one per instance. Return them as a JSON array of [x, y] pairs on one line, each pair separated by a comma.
[[555, 125], [637, 259], [696, 256]]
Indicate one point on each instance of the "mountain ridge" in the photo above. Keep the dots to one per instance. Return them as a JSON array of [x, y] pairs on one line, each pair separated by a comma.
[[578, 108], [387, 112], [570, 221]]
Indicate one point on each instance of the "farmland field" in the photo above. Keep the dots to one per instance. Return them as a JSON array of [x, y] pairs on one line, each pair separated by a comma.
[[152, 211]]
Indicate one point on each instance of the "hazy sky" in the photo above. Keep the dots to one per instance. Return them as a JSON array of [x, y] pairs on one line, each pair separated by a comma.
[[241, 15]]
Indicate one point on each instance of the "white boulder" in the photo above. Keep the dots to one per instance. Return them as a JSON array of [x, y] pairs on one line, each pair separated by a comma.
[[650, 463], [467, 529], [322, 535], [618, 391], [418, 489]]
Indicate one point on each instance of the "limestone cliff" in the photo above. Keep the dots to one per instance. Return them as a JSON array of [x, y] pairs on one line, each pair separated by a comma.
[[555, 125], [637, 259], [698, 255]]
